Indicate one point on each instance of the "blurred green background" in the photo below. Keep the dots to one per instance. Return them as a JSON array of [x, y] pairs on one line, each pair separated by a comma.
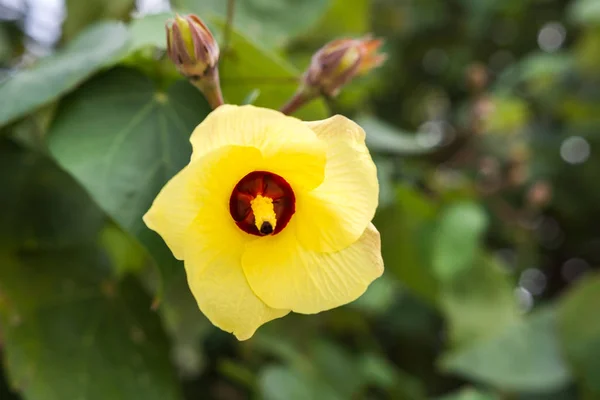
[[484, 124]]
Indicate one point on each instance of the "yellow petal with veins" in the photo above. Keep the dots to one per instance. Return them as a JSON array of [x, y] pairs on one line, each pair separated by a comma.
[[336, 213], [287, 276], [285, 143], [217, 281], [200, 187]]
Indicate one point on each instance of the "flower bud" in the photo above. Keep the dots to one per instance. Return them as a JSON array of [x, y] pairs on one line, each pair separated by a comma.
[[339, 61], [191, 46], [195, 53]]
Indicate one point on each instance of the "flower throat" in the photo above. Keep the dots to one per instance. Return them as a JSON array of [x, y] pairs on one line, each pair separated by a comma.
[[262, 203]]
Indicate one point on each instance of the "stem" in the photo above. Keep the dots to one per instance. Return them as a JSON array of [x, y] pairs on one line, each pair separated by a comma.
[[210, 87], [299, 99], [228, 24]]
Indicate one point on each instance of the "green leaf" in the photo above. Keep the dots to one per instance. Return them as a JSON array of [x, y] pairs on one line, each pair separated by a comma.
[[123, 140], [148, 31], [470, 394], [478, 302], [406, 230], [6, 45], [343, 20], [186, 326], [380, 295], [585, 12], [83, 13], [337, 367], [379, 371], [268, 22], [246, 67], [70, 329], [386, 139], [457, 239], [280, 383], [54, 76], [475, 294], [579, 328], [524, 357], [247, 71]]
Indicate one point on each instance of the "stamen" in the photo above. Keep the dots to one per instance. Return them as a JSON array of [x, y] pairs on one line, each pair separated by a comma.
[[264, 214], [262, 203]]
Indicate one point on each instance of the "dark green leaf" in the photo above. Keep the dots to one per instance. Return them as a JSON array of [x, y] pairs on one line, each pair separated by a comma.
[[579, 328], [54, 76], [123, 140], [378, 371], [337, 368], [406, 230], [70, 329], [524, 357], [186, 327]]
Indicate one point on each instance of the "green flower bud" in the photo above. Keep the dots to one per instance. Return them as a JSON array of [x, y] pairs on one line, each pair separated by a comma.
[[195, 53], [191, 46]]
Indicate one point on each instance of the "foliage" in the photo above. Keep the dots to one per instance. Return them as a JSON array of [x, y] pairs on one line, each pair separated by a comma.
[[483, 124]]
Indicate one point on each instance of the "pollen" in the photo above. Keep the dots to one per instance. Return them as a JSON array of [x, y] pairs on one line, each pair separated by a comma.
[[262, 203], [264, 214]]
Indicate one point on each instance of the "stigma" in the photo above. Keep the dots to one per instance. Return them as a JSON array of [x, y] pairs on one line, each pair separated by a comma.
[[264, 214], [262, 203]]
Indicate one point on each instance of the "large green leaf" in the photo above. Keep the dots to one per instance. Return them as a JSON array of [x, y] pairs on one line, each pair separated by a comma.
[[82, 13], [270, 22], [457, 239], [579, 328], [70, 329], [524, 357], [246, 67], [123, 140], [54, 76]]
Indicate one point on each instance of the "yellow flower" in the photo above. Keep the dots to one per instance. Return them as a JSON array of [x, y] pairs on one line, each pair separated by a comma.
[[272, 215]]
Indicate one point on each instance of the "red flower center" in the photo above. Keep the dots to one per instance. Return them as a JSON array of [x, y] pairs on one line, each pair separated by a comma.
[[265, 194]]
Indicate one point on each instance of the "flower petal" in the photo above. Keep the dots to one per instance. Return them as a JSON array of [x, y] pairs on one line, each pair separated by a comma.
[[217, 281], [205, 183], [290, 148], [336, 213], [213, 246], [285, 275]]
